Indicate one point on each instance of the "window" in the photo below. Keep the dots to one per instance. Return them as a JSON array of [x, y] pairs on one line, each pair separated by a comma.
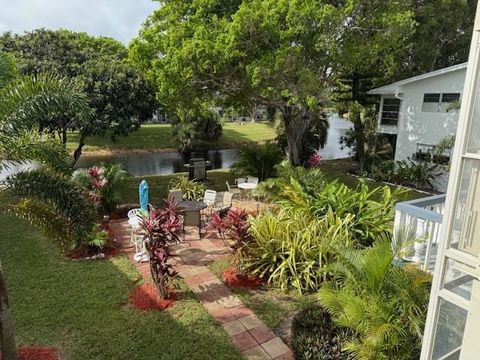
[[390, 111], [439, 102], [447, 100], [431, 102]]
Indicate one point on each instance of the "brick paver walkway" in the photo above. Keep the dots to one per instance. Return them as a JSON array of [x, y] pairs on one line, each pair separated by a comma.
[[248, 332]]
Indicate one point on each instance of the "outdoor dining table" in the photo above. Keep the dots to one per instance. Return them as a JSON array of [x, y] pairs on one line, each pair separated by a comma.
[[191, 211]]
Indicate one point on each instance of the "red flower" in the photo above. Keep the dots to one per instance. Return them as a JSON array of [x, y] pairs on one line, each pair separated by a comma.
[[315, 159]]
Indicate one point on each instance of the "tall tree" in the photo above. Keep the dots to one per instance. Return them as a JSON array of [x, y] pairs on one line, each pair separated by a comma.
[[239, 53], [120, 96]]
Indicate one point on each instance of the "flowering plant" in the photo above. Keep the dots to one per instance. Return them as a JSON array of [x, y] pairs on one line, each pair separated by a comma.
[[315, 159], [161, 227]]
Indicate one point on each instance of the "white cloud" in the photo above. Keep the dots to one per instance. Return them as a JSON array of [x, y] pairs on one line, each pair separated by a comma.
[[120, 19]]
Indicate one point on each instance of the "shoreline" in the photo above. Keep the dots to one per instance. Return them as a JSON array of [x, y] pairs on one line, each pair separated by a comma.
[[109, 152]]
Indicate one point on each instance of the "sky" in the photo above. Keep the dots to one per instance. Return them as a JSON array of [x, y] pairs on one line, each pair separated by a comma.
[[120, 19]]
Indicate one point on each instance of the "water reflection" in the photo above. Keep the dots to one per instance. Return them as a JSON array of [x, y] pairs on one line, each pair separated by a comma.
[[164, 163]]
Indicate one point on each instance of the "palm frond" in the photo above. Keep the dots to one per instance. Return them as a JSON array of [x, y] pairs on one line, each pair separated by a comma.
[[30, 145]]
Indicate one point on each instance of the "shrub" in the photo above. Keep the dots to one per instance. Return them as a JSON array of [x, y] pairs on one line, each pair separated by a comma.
[[315, 336], [99, 238], [191, 190], [258, 160], [291, 250], [383, 303], [104, 185], [235, 226], [414, 173], [310, 180]]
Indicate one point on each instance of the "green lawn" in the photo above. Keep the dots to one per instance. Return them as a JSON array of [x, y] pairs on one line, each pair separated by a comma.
[[159, 136], [158, 185], [81, 307]]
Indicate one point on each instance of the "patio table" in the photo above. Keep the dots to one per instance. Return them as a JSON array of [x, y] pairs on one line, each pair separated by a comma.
[[191, 211]]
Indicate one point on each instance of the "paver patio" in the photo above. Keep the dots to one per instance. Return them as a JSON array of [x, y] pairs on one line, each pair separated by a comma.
[[190, 259]]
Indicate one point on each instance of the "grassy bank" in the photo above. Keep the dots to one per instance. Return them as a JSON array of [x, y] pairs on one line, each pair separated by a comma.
[[81, 307], [159, 136]]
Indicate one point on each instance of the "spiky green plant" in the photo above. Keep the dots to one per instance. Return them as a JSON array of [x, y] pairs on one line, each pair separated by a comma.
[[191, 190], [258, 160], [385, 304], [293, 251]]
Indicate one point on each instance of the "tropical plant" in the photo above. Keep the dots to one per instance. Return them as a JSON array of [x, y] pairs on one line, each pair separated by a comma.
[[191, 190], [161, 228], [420, 174], [46, 197], [384, 303], [315, 336], [310, 180], [98, 238], [292, 250], [315, 159], [371, 210], [236, 227], [258, 160], [104, 185]]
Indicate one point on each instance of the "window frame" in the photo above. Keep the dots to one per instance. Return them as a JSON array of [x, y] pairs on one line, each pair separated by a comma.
[[390, 121]]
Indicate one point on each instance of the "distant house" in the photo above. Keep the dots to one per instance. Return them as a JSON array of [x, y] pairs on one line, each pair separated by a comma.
[[413, 112]]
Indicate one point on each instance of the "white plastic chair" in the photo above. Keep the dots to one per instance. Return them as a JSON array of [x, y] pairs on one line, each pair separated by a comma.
[[240, 181], [252, 180], [134, 219], [209, 197]]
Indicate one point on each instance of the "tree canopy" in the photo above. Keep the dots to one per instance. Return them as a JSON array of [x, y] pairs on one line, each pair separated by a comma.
[[118, 93]]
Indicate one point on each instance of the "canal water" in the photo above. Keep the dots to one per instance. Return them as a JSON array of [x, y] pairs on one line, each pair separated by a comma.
[[164, 163]]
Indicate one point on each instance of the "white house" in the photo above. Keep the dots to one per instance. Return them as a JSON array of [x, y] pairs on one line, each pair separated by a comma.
[[413, 112]]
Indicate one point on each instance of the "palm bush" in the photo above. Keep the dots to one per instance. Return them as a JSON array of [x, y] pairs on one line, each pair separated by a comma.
[[383, 303], [258, 160], [191, 190], [293, 251]]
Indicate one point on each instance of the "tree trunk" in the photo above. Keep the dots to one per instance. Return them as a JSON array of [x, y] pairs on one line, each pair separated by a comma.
[[358, 126], [78, 151], [64, 136], [295, 126], [8, 349]]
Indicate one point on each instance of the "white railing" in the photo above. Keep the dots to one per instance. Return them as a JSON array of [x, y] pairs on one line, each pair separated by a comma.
[[425, 216]]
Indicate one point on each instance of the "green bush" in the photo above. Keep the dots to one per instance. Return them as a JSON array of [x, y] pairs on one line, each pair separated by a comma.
[[316, 337], [293, 251], [278, 188], [383, 303], [191, 190], [418, 174], [258, 160]]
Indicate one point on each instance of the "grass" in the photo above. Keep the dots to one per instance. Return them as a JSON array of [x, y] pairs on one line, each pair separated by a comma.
[[272, 306], [159, 185], [159, 136], [81, 307]]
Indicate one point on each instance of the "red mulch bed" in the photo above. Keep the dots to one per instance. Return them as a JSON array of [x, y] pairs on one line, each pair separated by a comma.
[[233, 279], [146, 297], [38, 353]]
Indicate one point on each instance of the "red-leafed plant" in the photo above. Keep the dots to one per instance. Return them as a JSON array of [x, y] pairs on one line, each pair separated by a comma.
[[235, 226], [315, 159], [161, 228]]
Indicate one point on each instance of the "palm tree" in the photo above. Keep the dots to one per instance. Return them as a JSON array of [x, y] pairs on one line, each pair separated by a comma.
[[385, 304], [46, 196]]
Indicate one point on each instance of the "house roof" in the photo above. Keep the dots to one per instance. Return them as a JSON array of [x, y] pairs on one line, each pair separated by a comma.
[[396, 87]]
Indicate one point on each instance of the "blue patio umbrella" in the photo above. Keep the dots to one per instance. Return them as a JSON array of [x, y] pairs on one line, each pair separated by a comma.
[[143, 195]]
